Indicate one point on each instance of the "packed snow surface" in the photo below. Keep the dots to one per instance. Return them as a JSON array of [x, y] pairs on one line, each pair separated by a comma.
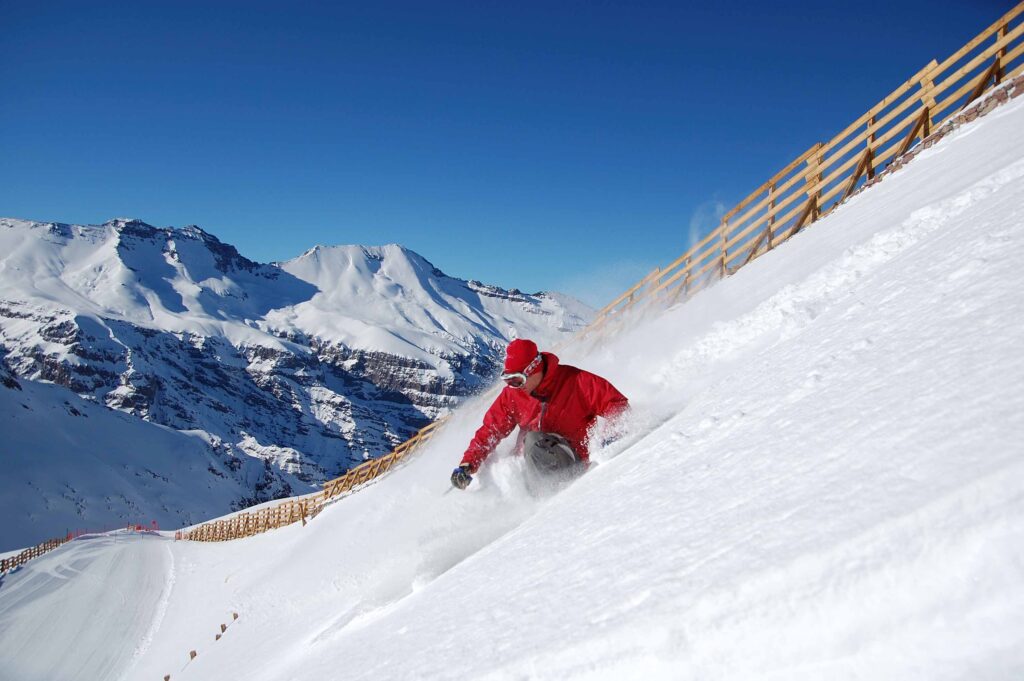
[[823, 480]]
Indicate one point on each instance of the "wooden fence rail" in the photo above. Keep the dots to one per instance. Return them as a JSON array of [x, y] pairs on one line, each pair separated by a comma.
[[807, 188]]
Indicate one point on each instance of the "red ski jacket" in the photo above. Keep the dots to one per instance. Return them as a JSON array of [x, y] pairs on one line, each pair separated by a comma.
[[567, 402]]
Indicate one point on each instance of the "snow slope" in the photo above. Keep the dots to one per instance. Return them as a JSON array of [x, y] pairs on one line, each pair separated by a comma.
[[823, 480], [72, 464]]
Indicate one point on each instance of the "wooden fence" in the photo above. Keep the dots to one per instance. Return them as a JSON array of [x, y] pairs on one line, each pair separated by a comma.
[[827, 173], [299, 509], [803, 191], [8, 564]]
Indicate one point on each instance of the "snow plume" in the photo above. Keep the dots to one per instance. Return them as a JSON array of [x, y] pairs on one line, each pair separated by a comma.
[[705, 217]]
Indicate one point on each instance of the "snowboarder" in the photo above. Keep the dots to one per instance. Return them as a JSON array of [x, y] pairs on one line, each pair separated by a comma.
[[555, 406]]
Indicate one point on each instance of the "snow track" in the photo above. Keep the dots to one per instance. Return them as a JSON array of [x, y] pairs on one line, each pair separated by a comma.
[[86, 610], [158, 616]]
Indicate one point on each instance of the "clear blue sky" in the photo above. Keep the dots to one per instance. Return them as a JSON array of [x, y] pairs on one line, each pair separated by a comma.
[[550, 145]]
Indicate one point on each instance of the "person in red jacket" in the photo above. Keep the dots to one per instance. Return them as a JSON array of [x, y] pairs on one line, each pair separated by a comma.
[[555, 406]]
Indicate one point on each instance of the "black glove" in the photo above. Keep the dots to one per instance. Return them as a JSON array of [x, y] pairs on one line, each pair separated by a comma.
[[461, 477]]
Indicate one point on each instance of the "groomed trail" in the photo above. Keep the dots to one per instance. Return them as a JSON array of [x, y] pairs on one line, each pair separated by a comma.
[[823, 480]]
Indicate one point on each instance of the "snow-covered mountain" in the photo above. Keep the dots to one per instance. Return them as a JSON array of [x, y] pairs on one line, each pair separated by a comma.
[[310, 365]]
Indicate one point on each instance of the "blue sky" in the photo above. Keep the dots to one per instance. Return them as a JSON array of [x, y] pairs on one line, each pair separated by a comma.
[[552, 145]]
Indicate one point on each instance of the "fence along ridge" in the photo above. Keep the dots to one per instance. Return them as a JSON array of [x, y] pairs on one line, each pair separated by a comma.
[[802, 192], [9, 563], [301, 509]]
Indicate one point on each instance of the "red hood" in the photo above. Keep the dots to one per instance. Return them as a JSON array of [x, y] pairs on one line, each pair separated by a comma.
[[550, 379]]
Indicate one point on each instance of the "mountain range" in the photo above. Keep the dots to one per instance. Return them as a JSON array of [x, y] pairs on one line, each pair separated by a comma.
[[279, 376]]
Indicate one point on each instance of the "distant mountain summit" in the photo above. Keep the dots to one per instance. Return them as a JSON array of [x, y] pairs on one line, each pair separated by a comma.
[[308, 365], [363, 291]]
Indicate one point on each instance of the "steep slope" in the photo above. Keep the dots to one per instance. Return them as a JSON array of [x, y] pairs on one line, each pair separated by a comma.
[[823, 480], [70, 464], [310, 366]]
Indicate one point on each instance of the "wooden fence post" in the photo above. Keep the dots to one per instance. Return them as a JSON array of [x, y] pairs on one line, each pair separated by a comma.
[[871, 146], [992, 73], [1001, 57], [771, 216], [723, 230], [923, 124], [928, 99], [814, 178], [813, 175]]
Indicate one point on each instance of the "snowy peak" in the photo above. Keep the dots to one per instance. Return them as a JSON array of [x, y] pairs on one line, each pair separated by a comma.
[[177, 279], [348, 265], [393, 286], [377, 299], [327, 265]]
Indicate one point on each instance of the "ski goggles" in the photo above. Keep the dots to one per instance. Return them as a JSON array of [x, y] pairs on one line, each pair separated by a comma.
[[517, 379]]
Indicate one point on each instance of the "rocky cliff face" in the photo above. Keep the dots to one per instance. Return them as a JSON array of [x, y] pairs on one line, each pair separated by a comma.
[[309, 366]]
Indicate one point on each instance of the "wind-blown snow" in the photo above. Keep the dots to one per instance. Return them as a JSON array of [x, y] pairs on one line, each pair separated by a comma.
[[823, 480]]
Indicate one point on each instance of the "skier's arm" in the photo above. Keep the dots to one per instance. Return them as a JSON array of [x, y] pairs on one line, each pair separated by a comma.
[[609, 403], [499, 421], [606, 400]]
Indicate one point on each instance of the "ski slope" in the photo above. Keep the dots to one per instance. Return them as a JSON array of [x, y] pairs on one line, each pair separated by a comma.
[[823, 479]]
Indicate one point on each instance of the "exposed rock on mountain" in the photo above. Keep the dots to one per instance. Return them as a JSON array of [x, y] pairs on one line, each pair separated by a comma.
[[309, 365]]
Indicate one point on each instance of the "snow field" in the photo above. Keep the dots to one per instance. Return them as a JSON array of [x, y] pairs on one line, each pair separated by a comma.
[[822, 480]]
